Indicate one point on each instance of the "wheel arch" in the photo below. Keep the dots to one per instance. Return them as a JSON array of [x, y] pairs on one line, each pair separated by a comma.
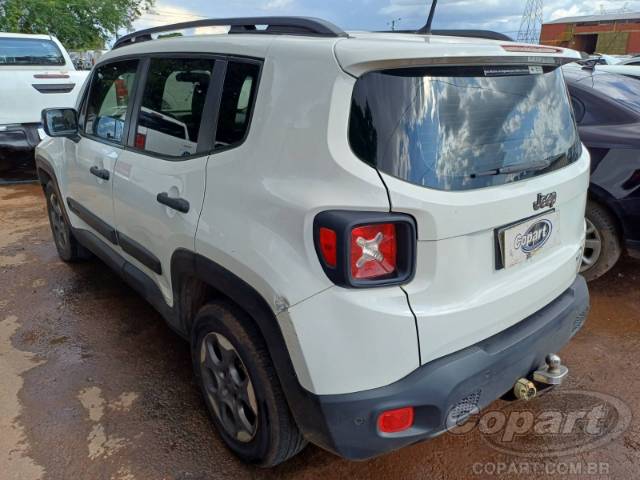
[[198, 280], [603, 198]]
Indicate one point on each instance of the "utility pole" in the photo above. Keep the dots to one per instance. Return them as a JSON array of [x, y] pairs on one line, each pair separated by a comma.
[[531, 22], [393, 23]]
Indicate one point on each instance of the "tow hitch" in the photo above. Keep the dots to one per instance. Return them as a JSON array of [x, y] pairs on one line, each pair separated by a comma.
[[554, 373], [551, 375]]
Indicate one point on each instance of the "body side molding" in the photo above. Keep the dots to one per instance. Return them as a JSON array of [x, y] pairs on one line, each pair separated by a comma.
[[95, 222], [140, 253]]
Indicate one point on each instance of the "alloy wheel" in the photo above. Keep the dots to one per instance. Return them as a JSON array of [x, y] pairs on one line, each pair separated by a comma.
[[228, 388], [57, 221], [592, 247]]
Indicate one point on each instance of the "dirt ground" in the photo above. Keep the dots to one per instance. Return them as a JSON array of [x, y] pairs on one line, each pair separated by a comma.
[[93, 385]]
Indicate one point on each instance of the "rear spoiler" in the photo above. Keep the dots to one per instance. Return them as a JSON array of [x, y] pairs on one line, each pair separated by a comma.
[[385, 55]]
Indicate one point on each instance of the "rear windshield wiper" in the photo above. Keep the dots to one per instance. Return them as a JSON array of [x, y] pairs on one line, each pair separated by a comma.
[[517, 168]]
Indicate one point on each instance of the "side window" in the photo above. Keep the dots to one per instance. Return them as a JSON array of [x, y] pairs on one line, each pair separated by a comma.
[[172, 104], [238, 97], [108, 100]]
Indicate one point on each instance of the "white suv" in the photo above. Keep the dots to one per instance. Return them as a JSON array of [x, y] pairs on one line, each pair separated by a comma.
[[365, 236]]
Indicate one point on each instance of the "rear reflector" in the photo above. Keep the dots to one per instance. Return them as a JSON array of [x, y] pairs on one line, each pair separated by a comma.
[[328, 246], [373, 251], [394, 421]]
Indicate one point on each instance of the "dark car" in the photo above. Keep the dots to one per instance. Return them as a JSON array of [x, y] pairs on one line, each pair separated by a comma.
[[607, 109]]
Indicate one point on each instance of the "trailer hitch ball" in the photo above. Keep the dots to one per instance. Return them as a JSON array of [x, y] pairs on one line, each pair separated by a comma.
[[524, 389]]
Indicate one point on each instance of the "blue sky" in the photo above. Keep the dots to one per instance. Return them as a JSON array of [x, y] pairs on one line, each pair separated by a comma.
[[501, 15]]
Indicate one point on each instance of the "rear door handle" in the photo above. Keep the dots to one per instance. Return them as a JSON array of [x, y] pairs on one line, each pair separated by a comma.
[[100, 172], [179, 204]]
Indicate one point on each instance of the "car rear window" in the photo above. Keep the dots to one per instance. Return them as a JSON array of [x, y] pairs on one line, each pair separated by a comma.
[[463, 128], [29, 51]]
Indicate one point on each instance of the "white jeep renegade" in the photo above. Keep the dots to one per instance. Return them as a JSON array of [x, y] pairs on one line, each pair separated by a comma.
[[366, 237]]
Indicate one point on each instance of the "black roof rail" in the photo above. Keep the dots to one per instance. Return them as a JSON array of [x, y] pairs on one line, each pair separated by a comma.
[[307, 26], [488, 34]]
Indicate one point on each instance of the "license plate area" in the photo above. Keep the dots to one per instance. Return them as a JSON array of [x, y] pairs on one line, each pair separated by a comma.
[[524, 239]]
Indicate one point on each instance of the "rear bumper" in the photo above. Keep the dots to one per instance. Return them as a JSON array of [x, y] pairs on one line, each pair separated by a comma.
[[16, 141], [448, 388]]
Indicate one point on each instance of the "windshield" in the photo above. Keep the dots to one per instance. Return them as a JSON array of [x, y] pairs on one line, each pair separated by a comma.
[[463, 128], [29, 51]]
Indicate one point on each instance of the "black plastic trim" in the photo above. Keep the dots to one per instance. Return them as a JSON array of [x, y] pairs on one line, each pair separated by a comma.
[[95, 222], [47, 88], [22, 138], [306, 26], [485, 370], [140, 253], [342, 222], [303, 404], [178, 204]]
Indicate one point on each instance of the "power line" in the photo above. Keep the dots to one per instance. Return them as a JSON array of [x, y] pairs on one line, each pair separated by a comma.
[[531, 22]]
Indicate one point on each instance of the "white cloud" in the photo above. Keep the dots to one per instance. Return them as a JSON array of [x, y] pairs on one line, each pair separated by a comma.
[[278, 4]]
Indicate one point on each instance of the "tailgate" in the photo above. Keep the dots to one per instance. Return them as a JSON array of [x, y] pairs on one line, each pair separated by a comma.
[[25, 93], [488, 161], [462, 293]]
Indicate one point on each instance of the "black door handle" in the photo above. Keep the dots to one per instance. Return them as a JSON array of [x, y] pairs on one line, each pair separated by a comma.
[[179, 204], [99, 172]]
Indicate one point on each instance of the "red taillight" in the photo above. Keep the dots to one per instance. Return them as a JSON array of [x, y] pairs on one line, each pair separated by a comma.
[[373, 251], [328, 246], [141, 140], [394, 421]]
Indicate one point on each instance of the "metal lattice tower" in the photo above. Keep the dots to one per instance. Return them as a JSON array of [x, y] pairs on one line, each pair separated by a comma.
[[531, 22]]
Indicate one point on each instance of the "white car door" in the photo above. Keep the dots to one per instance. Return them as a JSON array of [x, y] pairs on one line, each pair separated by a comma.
[[90, 160], [159, 181]]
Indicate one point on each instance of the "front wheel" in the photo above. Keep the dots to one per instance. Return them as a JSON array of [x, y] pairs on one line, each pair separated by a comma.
[[69, 250], [602, 246], [241, 388]]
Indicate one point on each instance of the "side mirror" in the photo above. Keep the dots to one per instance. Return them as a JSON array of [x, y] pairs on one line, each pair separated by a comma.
[[60, 122]]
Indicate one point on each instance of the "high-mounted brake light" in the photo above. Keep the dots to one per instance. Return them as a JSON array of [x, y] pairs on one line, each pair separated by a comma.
[[394, 421], [531, 49], [366, 249], [373, 251]]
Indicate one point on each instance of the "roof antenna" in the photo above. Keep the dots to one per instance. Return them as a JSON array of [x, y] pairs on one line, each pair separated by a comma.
[[426, 30]]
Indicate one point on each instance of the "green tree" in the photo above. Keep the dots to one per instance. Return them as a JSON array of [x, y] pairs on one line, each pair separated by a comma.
[[78, 24]]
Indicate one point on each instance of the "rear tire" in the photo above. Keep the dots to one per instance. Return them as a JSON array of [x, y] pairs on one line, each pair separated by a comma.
[[603, 247], [241, 388], [69, 250]]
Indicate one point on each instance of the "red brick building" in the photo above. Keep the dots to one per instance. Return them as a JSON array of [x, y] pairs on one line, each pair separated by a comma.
[[616, 34]]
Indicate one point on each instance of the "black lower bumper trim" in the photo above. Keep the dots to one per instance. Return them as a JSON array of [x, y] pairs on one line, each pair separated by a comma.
[[448, 388], [18, 143]]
